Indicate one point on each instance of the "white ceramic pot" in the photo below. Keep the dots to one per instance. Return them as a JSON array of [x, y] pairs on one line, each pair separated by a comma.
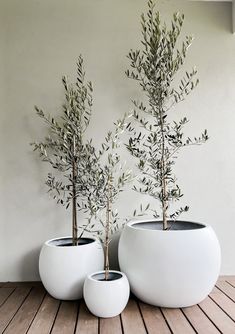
[[63, 267], [106, 299], [174, 268]]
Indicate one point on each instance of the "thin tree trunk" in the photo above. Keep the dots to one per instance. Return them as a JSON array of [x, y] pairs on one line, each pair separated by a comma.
[[74, 208], [163, 177], [107, 230]]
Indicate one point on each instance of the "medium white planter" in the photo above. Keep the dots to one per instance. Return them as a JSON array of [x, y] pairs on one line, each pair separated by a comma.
[[63, 268], [174, 268], [106, 299]]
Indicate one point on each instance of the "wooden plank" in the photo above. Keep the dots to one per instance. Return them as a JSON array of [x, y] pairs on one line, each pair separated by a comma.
[[154, 320], [231, 280], [45, 317], [110, 325], [228, 289], [132, 320], [11, 306], [177, 321], [26, 313], [199, 320], [217, 316], [87, 323], [224, 277], [23, 284], [224, 302], [66, 318], [4, 294]]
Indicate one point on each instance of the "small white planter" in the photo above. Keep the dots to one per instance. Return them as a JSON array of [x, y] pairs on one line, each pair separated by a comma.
[[106, 299], [63, 268], [174, 268]]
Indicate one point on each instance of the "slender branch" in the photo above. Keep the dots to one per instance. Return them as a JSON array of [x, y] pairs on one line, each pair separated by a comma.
[[163, 174], [107, 228], [74, 207]]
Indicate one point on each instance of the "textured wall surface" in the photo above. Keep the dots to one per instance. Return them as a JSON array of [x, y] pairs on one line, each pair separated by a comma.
[[40, 41]]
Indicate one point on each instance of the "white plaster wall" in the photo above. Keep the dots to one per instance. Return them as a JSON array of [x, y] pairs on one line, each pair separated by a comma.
[[39, 41]]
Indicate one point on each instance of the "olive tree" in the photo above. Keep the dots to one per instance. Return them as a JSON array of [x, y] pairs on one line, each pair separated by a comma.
[[106, 181], [70, 156], [157, 140]]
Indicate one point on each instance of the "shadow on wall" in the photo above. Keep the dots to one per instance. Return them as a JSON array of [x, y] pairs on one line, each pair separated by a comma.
[[113, 251], [29, 264]]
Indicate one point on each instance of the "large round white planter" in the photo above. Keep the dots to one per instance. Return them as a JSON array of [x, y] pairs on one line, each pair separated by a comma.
[[63, 268], [106, 299], [174, 268]]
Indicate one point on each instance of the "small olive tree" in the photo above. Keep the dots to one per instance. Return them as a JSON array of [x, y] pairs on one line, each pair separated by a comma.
[[64, 148], [157, 143], [106, 181]]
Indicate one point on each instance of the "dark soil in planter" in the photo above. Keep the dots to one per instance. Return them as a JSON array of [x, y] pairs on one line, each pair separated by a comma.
[[112, 277], [65, 242], [173, 225]]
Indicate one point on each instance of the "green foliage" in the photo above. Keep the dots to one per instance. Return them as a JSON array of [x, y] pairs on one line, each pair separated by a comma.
[[64, 147], [106, 181], [157, 141], [90, 179]]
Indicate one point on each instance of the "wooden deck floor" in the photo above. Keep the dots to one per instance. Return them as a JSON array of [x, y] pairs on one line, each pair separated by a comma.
[[27, 308]]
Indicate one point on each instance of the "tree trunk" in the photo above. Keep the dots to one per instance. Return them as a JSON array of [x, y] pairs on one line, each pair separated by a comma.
[[107, 230], [74, 207], [163, 176]]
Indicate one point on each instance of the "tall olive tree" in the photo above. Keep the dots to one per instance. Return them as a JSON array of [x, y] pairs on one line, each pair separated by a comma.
[[157, 141], [64, 148]]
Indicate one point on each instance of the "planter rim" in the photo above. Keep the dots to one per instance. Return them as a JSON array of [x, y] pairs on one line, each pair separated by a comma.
[[49, 242], [133, 222], [106, 282]]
